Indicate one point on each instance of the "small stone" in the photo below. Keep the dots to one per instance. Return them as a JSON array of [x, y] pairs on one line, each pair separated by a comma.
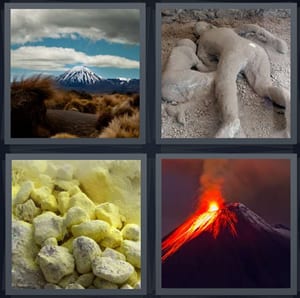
[[27, 211], [40, 194], [86, 279], [112, 253], [24, 192], [95, 229], [65, 185], [76, 216], [110, 213], [85, 250], [100, 283], [113, 238], [51, 286], [55, 262], [49, 203], [50, 241], [126, 287], [48, 225], [132, 251], [131, 232], [74, 286], [65, 172], [115, 271], [63, 200], [81, 200], [69, 244], [71, 278]]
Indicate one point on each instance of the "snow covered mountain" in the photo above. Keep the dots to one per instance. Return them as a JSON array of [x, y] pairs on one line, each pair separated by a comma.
[[258, 256], [79, 74], [82, 78]]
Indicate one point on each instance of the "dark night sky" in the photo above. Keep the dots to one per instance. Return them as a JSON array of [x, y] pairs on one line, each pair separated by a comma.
[[263, 185]]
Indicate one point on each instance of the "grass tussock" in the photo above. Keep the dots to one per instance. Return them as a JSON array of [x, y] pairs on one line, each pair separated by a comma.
[[37, 107]]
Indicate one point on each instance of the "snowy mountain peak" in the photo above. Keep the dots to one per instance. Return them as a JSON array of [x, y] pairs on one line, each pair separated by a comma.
[[79, 74]]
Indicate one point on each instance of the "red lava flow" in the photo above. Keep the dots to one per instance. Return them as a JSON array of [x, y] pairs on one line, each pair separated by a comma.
[[211, 216]]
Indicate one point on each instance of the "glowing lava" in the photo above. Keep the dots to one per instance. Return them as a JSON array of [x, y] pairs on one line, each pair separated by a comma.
[[209, 216]]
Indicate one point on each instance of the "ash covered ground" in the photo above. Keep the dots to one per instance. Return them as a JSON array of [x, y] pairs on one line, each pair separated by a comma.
[[258, 117]]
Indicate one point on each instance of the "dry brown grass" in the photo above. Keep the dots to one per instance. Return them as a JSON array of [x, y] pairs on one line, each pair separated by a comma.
[[117, 114]]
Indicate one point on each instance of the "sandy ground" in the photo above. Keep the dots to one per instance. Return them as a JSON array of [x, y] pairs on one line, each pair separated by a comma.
[[258, 117]]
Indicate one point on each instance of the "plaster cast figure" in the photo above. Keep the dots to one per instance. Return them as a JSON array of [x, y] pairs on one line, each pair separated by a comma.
[[223, 50], [181, 85]]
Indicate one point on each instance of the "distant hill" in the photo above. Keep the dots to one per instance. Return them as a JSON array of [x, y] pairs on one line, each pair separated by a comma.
[[82, 78]]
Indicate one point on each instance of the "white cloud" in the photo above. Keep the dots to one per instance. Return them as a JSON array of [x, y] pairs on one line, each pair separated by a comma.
[[114, 25], [57, 59]]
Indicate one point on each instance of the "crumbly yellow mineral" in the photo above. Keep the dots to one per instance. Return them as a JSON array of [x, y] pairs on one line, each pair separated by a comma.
[[95, 229], [55, 262], [114, 271], [85, 250], [47, 225], [85, 230]]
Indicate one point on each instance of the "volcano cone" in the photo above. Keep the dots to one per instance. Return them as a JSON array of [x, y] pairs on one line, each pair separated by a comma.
[[257, 255]]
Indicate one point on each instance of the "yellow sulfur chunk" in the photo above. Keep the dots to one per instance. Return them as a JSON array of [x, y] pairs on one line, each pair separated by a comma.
[[109, 212], [47, 225], [49, 203], [27, 211], [55, 262], [65, 184], [85, 279], [68, 279], [76, 216], [81, 200], [63, 201], [95, 229], [113, 238], [74, 286], [133, 279], [74, 190], [132, 251], [113, 254], [126, 287], [40, 194], [100, 283], [24, 192], [131, 232], [65, 172], [85, 250], [69, 244], [50, 241], [14, 190], [115, 271], [45, 180]]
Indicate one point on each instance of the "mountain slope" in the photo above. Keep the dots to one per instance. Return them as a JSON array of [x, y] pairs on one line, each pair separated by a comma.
[[257, 257], [79, 74], [82, 78]]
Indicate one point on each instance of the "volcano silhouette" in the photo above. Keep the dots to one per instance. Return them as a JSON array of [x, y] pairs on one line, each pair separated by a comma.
[[257, 256]]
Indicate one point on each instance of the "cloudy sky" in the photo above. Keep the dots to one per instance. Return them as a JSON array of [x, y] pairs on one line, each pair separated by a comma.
[[263, 185], [51, 41]]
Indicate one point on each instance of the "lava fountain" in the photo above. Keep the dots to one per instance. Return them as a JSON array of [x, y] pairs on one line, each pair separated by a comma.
[[210, 216]]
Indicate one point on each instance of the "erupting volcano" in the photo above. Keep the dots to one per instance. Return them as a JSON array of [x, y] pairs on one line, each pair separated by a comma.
[[210, 216], [226, 246]]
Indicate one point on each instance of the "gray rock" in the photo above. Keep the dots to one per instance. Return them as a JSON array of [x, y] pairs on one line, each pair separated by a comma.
[[85, 250], [112, 270], [55, 262], [25, 271]]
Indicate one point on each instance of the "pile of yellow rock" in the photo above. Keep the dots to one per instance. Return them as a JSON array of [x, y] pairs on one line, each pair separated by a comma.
[[63, 239]]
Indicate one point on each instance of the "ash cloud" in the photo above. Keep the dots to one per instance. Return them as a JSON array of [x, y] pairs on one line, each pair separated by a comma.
[[263, 185]]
